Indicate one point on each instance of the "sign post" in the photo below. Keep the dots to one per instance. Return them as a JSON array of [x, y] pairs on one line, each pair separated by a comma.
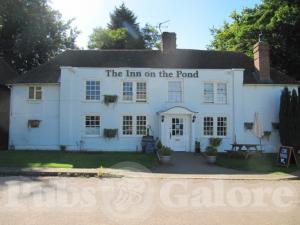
[[286, 156]]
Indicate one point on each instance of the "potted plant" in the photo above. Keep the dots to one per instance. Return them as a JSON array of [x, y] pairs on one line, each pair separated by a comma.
[[211, 150], [165, 154]]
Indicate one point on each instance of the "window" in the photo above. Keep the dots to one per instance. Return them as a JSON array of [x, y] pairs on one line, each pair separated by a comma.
[[134, 125], [141, 125], [177, 126], [175, 91], [221, 126], [92, 125], [141, 92], [215, 126], [92, 90], [215, 93], [221, 93], [127, 91], [127, 125], [208, 126], [35, 93], [209, 93]]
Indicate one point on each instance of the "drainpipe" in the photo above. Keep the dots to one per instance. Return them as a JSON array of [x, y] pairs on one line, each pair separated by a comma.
[[233, 106]]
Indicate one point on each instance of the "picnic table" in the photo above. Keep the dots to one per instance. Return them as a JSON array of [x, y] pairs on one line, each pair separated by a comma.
[[245, 149]]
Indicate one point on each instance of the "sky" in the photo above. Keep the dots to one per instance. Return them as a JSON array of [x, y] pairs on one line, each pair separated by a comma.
[[191, 20]]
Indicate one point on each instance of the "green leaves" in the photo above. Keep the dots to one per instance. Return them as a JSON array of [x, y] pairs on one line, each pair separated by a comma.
[[123, 32], [279, 20], [32, 33]]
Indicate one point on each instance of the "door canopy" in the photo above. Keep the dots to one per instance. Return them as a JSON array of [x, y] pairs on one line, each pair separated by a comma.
[[177, 110]]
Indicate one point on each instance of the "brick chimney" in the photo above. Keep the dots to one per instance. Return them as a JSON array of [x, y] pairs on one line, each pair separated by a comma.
[[168, 42], [262, 60]]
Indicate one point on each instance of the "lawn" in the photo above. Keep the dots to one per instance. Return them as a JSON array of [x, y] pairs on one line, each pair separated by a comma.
[[263, 164], [57, 159]]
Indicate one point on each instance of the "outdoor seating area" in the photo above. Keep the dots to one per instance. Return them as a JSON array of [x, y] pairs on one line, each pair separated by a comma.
[[245, 150]]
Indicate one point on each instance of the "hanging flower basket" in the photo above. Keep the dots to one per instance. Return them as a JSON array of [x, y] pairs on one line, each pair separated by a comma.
[[33, 123], [110, 133], [110, 99], [267, 134], [248, 126]]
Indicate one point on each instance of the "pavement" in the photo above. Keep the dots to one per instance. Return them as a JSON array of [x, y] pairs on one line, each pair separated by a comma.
[[135, 201], [184, 166]]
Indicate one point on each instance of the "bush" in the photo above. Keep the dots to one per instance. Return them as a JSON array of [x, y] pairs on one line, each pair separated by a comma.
[[215, 142], [211, 151], [158, 145], [63, 148], [165, 151]]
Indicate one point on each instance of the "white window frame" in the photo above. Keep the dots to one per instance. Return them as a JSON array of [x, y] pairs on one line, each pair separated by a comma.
[[134, 99], [215, 126], [181, 91], [215, 92], [134, 125], [84, 125], [143, 92], [85, 90], [35, 87]]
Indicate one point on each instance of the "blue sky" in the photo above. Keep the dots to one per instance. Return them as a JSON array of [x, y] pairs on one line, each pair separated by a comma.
[[190, 19]]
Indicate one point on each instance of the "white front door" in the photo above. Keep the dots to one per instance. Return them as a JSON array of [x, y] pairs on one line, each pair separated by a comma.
[[178, 132]]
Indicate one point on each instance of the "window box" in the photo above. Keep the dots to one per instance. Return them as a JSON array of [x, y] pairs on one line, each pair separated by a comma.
[[267, 133], [33, 123], [110, 99], [248, 126], [110, 133]]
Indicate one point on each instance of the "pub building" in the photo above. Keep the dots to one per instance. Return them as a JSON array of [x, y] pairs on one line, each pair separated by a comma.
[[107, 100]]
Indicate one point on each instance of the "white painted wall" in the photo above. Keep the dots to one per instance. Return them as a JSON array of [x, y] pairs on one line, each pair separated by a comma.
[[46, 136], [63, 108]]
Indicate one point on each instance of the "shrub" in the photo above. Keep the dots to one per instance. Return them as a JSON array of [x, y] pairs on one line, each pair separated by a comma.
[[158, 145], [165, 151], [215, 142], [211, 151], [63, 148]]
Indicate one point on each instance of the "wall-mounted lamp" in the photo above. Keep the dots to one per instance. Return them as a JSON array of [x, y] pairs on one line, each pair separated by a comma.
[[194, 118], [162, 118]]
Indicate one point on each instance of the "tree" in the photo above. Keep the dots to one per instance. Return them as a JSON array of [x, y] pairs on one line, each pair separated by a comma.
[[278, 20], [152, 37], [32, 33], [284, 113], [123, 32]]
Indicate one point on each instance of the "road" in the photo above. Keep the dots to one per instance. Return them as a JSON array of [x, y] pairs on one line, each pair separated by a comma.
[[88, 201]]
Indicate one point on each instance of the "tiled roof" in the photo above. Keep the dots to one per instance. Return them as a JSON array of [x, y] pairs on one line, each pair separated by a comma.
[[6, 72], [180, 58]]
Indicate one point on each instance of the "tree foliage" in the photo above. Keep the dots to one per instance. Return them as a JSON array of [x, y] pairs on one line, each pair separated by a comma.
[[123, 32], [289, 118], [278, 20], [32, 32]]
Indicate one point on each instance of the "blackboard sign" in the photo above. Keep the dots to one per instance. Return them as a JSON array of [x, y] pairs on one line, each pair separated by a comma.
[[286, 156]]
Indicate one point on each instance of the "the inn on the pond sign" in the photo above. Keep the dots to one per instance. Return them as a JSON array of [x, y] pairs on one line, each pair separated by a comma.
[[160, 73]]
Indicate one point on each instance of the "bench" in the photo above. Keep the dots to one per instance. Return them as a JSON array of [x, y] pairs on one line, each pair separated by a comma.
[[244, 149]]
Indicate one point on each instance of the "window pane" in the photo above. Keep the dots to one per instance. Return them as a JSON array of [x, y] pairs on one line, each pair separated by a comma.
[[177, 127], [222, 93], [92, 125], [141, 92], [127, 125], [208, 126], [38, 93], [141, 125], [31, 93], [209, 93], [221, 126], [127, 91], [175, 91], [92, 90]]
